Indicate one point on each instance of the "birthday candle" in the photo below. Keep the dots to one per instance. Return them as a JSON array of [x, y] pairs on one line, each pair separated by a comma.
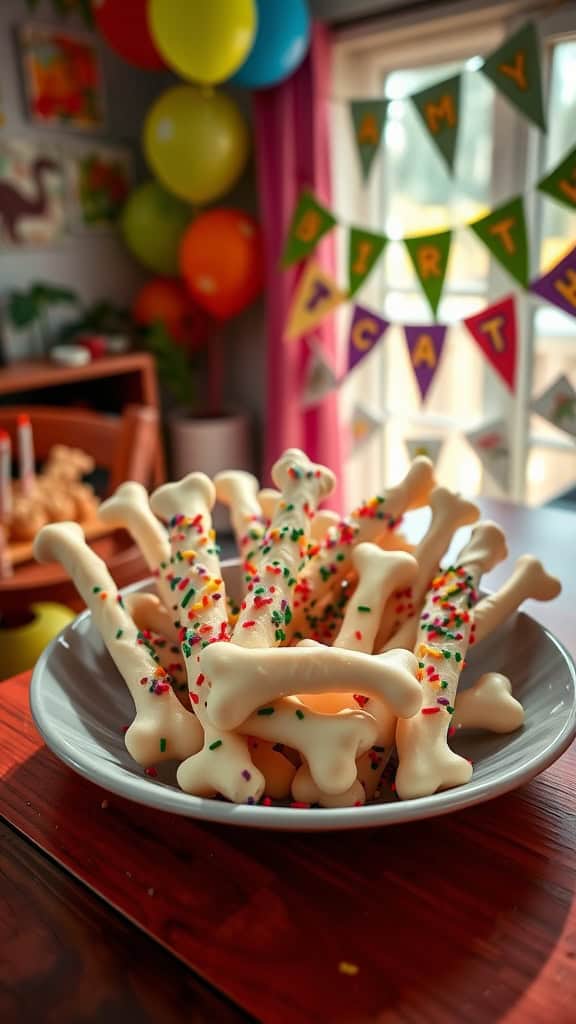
[[26, 455], [5, 477]]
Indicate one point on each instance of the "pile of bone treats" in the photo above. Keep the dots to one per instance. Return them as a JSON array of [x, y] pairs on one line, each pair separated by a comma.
[[347, 643]]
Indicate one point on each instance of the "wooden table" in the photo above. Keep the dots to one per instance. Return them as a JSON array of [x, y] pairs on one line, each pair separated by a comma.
[[468, 919]]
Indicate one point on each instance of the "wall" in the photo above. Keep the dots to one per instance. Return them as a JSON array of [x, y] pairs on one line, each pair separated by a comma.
[[97, 265]]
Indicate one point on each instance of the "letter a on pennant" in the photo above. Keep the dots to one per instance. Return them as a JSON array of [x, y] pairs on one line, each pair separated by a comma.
[[368, 118], [504, 233], [514, 68], [315, 296], [494, 329], [425, 346], [439, 108], [366, 329], [310, 222], [561, 182]]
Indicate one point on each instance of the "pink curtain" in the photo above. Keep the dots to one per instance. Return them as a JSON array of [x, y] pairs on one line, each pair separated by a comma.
[[292, 151]]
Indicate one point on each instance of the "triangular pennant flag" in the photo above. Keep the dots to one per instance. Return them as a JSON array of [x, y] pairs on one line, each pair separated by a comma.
[[557, 404], [495, 331], [439, 108], [428, 446], [320, 378], [425, 346], [310, 221], [366, 329], [558, 286], [364, 248], [514, 68], [490, 443], [561, 182], [363, 425], [315, 296], [503, 232], [368, 118], [429, 254]]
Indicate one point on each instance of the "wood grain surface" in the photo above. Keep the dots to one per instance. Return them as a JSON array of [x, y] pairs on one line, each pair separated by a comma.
[[468, 918]]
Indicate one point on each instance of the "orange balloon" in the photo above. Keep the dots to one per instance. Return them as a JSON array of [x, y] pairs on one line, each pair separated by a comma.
[[221, 261], [168, 301]]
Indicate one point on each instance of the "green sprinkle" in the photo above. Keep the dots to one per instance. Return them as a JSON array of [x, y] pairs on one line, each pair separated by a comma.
[[280, 635], [96, 590], [340, 557], [287, 617], [289, 508], [265, 711], [119, 633], [421, 664], [215, 745], [299, 714], [450, 709], [187, 651], [162, 746], [457, 656], [187, 597], [363, 608], [444, 685], [447, 655]]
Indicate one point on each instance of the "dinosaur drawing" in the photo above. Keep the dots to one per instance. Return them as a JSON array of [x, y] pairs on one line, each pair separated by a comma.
[[16, 206]]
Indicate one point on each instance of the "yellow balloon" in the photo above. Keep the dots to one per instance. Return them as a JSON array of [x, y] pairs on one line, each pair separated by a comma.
[[205, 40], [196, 143]]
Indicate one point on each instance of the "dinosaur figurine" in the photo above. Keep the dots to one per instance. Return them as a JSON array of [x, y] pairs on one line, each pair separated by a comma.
[[15, 206]]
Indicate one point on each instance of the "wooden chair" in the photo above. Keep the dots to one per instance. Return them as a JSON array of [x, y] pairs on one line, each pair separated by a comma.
[[125, 446]]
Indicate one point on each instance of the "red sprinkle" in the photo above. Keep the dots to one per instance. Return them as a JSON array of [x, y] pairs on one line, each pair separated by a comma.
[[430, 711], [151, 772], [249, 624], [200, 679], [194, 698]]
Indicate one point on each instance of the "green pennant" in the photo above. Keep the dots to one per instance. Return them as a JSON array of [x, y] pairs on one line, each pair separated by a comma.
[[310, 222], [429, 255], [368, 118], [561, 182], [514, 68], [439, 108], [503, 232], [364, 249]]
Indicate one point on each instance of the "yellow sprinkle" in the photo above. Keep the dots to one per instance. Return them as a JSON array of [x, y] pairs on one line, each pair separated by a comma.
[[197, 607], [425, 650], [212, 585], [189, 554], [212, 534], [346, 968]]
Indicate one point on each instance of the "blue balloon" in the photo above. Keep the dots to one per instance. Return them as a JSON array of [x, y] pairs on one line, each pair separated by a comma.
[[281, 44]]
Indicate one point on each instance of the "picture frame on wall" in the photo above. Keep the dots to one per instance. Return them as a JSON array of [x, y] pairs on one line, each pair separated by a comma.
[[101, 178], [63, 79], [33, 194]]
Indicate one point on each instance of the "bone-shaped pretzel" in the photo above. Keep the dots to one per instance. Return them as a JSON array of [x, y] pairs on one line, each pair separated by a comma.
[[129, 509], [489, 705], [529, 579], [223, 765], [162, 729], [426, 762], [238, 490], [374, 519]]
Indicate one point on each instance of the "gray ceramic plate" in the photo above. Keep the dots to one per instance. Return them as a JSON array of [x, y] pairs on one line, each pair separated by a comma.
[[79, 704]]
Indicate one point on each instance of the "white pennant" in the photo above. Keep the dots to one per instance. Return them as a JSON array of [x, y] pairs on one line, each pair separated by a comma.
[[490, 443], [557, 404]]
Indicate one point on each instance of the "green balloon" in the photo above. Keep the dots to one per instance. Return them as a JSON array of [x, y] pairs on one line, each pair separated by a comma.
[[152, 224]]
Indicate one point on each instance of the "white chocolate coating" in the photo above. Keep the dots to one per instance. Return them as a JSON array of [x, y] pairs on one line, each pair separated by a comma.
[[238, 490], [426, 762], [129, 509], [162, 729], [529, 579], [305, 790], [245, 679], [489, 705]]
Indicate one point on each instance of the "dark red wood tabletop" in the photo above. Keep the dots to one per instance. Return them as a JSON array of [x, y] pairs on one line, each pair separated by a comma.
[[469, 918]]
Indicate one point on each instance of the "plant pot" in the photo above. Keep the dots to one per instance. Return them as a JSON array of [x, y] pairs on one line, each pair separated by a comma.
[[209, 445]]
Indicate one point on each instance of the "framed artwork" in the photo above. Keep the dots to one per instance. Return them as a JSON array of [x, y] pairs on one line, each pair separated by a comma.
[[102, 178], [33, 193], [62, 78]]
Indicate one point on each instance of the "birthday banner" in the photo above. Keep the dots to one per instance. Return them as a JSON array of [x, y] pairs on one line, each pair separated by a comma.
[[514, 69]]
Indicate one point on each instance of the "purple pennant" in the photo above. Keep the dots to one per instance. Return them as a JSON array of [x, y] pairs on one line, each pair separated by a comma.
[[425, 344], [366, 329], [558, 286]]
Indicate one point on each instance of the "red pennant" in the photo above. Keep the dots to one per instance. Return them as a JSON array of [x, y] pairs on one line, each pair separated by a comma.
[[495, 331]]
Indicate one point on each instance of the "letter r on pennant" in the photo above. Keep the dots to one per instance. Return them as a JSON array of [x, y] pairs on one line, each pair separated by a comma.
[[428, 259], [368, 129]]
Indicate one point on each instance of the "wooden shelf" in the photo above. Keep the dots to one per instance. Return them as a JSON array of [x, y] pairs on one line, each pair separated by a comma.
[[135, 373]]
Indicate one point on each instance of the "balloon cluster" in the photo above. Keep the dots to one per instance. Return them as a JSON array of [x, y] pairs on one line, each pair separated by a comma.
[[196, 143]]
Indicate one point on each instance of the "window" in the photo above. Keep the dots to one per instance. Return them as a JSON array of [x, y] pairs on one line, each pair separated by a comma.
[[411, 192]]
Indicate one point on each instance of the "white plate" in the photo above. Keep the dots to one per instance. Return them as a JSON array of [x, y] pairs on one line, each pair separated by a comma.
[[79, 704]]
